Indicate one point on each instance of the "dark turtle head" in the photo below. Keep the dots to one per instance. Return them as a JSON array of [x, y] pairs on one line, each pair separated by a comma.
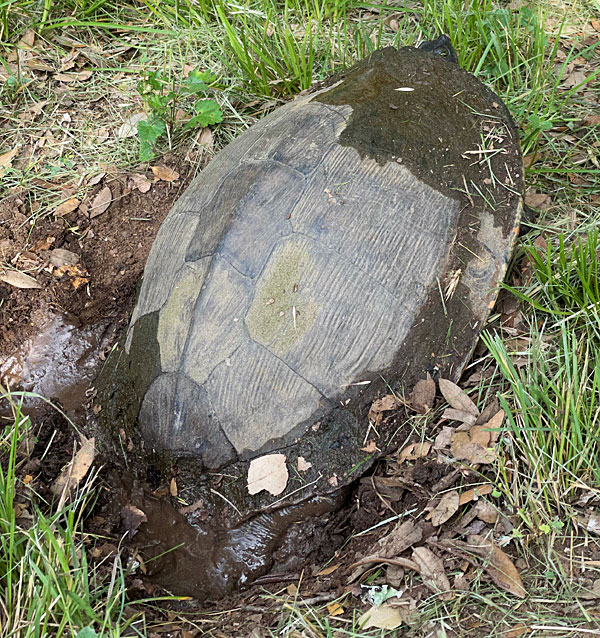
[[442, 46]]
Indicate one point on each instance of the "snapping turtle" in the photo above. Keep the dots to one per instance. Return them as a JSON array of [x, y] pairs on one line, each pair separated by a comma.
[[350, 241]]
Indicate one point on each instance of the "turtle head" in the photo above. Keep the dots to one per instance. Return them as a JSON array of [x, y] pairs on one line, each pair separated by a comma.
[[442, 46]]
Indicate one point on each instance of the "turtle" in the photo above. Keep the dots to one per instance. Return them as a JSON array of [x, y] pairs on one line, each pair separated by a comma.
[[349, 242]]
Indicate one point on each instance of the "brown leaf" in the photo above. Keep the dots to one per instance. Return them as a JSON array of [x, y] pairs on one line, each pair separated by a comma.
[[403, 536], [498, 565], [370, 447], [459, 415], [18, 279], [206, 139], [173, 488], [494, 425], [486, 512], [268, 473], [517, 630], [541, 201], [95, 179], [141, 182], [595, 24], [414, 451], [423, 395], [591, 120], [67, 206], [131, 518], [335, 609], [474, 493], [446, 508], [76, 470], [432, 570], [101, 202], [457, 398], [62, 257], [442, 440], [165, 173], [384, 616], [386, 403], [6, 160]]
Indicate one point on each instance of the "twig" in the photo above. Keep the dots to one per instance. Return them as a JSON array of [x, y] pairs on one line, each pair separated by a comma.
[[401, 562]]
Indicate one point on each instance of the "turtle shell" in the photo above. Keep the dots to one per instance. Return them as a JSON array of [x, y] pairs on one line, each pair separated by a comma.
[[350, 241]]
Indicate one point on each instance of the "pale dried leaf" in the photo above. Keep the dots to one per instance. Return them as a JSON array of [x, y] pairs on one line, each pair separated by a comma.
[[7, 158], [173, 491], [303, 464], [76, 470], [593, 523], [486, 512], [457, 398], [480, 435], [459, 415], [370, 447], [474, 493], [129, 126], [498, 565], [494, 425], [268, 473], [165, 173], [63, 257], [206, 139], [541, 201], [517, 630], [423, 395], [328, 570], [414, 451], [432, 570], [403, 536], [335, 609], [442, 440], [101, 202], [141, 182], [18, 279], [446, 508], [67, 206], [95, 179], [464, 449], [386, 616]]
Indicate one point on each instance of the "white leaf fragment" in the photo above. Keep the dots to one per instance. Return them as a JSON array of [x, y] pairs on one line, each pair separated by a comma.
[[268, 473]]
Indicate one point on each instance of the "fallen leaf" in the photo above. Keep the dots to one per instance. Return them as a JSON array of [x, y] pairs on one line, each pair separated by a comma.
[[173, 488], [541, 201], [498, 565], [101, 202], [18, 279], [442, 440], [386, 616], [206, 139], [432, 571], [593, 523], [464, 448], [386, 403], [27, 40], [457, 398], [292, 589], [591, 120], [333, 481], [370, 447], [303, 464], [95, 179], [494, 425], [268, 473], [446, 508], [474, 493], [459, 415], [129, 126], [423, 395], [328, 570], [67, 206], [75, 471], [486, 512], [517, 630], [414, 451], [335, 609], [141, 182], [6, 161], [62, 257], [131, 518], [165, 173]]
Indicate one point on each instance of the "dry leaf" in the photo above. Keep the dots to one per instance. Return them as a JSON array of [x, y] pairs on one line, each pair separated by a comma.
[[446, 508], [164, 173], [370, 447], [517, 630], [101, 202], [385, 616], [494, 425], [498, 565], [327, 570], [541, 201], [129, 126], [335, 609], [141, 182], [131, 518], [486, 512], [6, 161], [62, 257], [459, 415], [173, 488], [206, 139], [76, 470], [386, 403], [432, 571], [67, 206], [442, 440], [474, 493], [423, 395], [414, 451], [303, 464], [18, 279], [268, 473], [95, 179], [464, 448], [457, 398]]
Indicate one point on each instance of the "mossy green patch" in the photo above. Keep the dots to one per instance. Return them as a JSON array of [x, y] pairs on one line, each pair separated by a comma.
[[282, 311]]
